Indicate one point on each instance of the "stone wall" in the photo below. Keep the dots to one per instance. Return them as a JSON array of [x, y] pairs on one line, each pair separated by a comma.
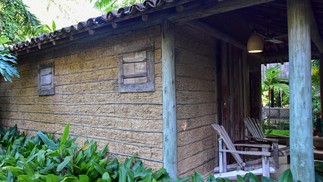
[[196, 101], [87, 96]]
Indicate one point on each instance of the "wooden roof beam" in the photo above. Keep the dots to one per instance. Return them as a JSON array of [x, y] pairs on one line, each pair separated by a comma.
[[203, 27], [214, 7], [315, 34]]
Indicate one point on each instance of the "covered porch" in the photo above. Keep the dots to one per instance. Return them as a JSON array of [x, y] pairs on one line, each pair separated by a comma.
[[291, 31]]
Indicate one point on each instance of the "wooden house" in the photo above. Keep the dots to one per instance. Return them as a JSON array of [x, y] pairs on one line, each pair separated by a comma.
[[153, 77]]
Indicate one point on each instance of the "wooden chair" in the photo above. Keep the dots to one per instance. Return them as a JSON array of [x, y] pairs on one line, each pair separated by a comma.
[[259, 166], [255, 129]]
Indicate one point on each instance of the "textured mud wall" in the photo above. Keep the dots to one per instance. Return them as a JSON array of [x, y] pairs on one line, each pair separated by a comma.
[[196, 101], [87, 96]]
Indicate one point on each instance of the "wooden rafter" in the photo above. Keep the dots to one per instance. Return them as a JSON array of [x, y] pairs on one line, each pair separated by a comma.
[[203, 27], [315, 34], [214, 7]]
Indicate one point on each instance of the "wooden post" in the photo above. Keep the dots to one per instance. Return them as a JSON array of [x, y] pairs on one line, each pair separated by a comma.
[[321, 83], [169, 99], [301, 126]]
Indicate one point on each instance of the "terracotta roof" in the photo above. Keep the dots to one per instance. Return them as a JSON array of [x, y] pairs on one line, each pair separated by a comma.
[[92, 23]]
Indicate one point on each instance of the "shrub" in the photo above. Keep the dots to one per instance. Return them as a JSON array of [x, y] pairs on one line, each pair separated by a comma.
[[43, 158]]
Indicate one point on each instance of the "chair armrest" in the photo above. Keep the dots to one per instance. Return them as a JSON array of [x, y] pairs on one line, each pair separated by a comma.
[[284, 139], [274, 140], [256, 153], [252, 145]]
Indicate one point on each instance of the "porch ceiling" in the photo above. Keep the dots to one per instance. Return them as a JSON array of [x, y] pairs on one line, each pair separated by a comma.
[[268, 19]]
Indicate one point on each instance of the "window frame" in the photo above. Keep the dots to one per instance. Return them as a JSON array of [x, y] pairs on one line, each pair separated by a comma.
[[149, 86], [51, 90]]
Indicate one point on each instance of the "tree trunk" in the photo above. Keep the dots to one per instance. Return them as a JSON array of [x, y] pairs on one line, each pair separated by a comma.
[[272, 98]]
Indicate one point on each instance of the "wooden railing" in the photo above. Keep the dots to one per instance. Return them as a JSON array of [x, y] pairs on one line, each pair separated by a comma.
[[275, 113]]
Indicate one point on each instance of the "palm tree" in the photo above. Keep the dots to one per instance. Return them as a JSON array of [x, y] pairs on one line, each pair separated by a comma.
[[273, 82]]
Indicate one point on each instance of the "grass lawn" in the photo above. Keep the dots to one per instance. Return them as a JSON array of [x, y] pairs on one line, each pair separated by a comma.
[[277, 132]]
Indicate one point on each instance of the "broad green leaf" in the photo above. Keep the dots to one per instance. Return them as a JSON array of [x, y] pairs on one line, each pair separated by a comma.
[[16, 171], [49, 142], [51, 178], [28, 168], [70, 179], [161, 172], [128, 161], [106, 177], [64, 138], [211, 178], [240, 179], [53, 25], [65, 134], [99, 168], [4, 40], [251, 177], [84, 178], [122, 173], [286, 176], [67, 159], [267, 179], [24, 178], [3, 177], [79, 157], [146, 177], [197, 177]]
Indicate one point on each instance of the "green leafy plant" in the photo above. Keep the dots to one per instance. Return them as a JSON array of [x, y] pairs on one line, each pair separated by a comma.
[[273, 82], [44, 158], [41, 29], [7, 61], [109, 5]]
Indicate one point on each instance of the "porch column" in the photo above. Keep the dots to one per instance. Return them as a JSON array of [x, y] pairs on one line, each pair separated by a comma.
[[169, 99], [301, 127], [321, 83]]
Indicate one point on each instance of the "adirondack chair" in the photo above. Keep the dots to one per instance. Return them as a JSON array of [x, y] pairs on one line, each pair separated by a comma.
[[259, 166], [255, 129]]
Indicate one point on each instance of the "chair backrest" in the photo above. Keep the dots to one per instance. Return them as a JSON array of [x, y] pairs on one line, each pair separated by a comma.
[[228, 142], [254, 127]]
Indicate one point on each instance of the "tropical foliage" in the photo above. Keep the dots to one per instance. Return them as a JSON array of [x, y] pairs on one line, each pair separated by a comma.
[[16, 24], [109, 5], [44, 158], [7, 61], [316, 98], [273, 84]]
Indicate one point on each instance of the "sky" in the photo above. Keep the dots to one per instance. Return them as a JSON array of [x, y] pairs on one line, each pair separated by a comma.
[[63, 12]]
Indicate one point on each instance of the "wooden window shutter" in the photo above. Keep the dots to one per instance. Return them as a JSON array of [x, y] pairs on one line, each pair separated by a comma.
[[46, 80], [136, 71]]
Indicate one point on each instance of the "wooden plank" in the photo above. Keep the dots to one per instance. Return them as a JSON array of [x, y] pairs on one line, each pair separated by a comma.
[[315, 34], [321, 81], [169, 99], [208, 8], [301, 126]]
